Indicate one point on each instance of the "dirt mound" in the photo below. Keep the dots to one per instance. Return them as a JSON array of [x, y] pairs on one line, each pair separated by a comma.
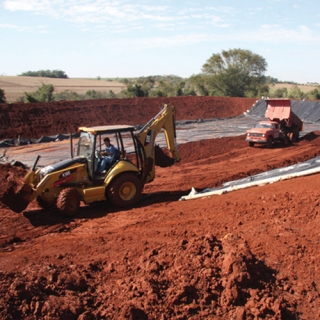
[[198, 276]]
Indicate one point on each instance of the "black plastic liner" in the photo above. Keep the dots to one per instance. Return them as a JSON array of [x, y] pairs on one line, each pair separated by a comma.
[[25, 141]]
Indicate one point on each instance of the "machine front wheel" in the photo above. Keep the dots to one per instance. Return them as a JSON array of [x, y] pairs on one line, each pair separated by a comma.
[[124, 190], [69, 202], [45, 204], [251, 144]]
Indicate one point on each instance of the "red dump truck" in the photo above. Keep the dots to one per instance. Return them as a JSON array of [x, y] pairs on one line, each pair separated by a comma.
[[282, 125]]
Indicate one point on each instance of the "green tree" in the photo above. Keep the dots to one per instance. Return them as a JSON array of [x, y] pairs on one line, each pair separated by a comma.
[[66, 95], [295, 93], [271, 80], [29, 98], [234, 72], [313, 94], [45, 73], [280, 93], [2, 96], [136, 90], [200, 84], [164, 89], [43, 94], [111, 95]]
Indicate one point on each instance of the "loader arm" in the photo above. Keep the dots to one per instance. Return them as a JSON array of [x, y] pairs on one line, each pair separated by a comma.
[[163, 121]]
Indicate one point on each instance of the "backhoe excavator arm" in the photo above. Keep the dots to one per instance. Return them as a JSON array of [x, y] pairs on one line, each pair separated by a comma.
[[163, 121]]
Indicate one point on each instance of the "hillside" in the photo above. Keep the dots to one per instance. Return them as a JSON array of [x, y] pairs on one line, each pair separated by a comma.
[[37, 119], [303, 87], [15, 87]]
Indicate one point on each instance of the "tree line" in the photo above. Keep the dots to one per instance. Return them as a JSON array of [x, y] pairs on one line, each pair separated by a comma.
[[45, 73], [233, 73]]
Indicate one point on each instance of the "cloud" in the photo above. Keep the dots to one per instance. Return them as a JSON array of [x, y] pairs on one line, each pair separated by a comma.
[[267, 33], [118, 11], [190, 24], [35, 29], [29, 5], [277, 33], [8, 26]]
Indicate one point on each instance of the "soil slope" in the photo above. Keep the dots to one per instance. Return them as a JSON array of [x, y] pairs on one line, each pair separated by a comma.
[[248, 254], [37, 119]]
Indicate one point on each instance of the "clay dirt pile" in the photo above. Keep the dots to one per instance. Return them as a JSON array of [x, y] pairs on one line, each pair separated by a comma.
[[248, 254]]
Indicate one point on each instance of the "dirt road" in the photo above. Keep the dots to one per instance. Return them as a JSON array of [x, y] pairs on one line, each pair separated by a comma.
[[249, 254]]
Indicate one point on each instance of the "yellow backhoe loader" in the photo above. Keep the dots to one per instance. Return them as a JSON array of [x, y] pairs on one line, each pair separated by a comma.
[[68, 182]]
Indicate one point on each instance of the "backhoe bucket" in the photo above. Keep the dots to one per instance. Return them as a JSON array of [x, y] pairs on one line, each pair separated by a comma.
[[162, 159]]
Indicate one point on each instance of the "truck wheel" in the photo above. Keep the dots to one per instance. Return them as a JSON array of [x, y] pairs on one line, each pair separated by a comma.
[[269, 143], [295, 136], [68, 202], [45, 204], [251, 144], [124, 190], [290, 136]]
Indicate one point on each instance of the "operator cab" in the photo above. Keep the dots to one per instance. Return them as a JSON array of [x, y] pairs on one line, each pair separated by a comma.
[[91, 143]]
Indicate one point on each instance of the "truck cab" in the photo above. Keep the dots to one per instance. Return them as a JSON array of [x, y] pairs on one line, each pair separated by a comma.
[[265, 132]]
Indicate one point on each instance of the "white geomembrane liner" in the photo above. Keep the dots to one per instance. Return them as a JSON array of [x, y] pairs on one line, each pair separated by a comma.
[[309, 167]]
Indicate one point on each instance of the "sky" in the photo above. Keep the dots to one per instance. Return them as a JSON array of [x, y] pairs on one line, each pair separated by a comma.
[[136, 38]]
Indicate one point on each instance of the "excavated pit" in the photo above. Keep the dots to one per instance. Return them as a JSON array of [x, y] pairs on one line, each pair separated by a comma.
[[249, 254]]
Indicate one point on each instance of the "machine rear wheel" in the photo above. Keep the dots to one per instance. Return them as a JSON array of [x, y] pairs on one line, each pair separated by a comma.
[[124, 190], [69, 202]]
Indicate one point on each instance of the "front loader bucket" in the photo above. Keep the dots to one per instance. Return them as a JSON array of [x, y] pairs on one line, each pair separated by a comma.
[[16, 199]]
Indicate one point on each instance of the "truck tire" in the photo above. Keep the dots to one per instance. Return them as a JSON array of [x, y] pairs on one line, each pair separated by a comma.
[[68, 202], [44, 204], [251, 144], [269, 143], [124, 190], [290, 136], [295, 136]]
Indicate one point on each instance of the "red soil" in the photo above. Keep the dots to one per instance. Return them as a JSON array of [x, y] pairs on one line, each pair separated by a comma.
[[37, 119], [248, 254]]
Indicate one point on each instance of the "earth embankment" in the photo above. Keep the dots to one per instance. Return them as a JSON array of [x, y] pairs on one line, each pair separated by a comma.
[[34, 120]]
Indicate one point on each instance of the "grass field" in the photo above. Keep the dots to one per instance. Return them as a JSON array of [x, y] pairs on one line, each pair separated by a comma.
[[302, 87], [14, 86]]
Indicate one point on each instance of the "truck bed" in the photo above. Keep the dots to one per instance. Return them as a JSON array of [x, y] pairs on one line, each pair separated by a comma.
[[280, 110]]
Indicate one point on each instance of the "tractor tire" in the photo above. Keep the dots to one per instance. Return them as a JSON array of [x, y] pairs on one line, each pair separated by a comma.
[[124, 190], [68, 202], [44, 204], [269, 143], [251, 144]]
